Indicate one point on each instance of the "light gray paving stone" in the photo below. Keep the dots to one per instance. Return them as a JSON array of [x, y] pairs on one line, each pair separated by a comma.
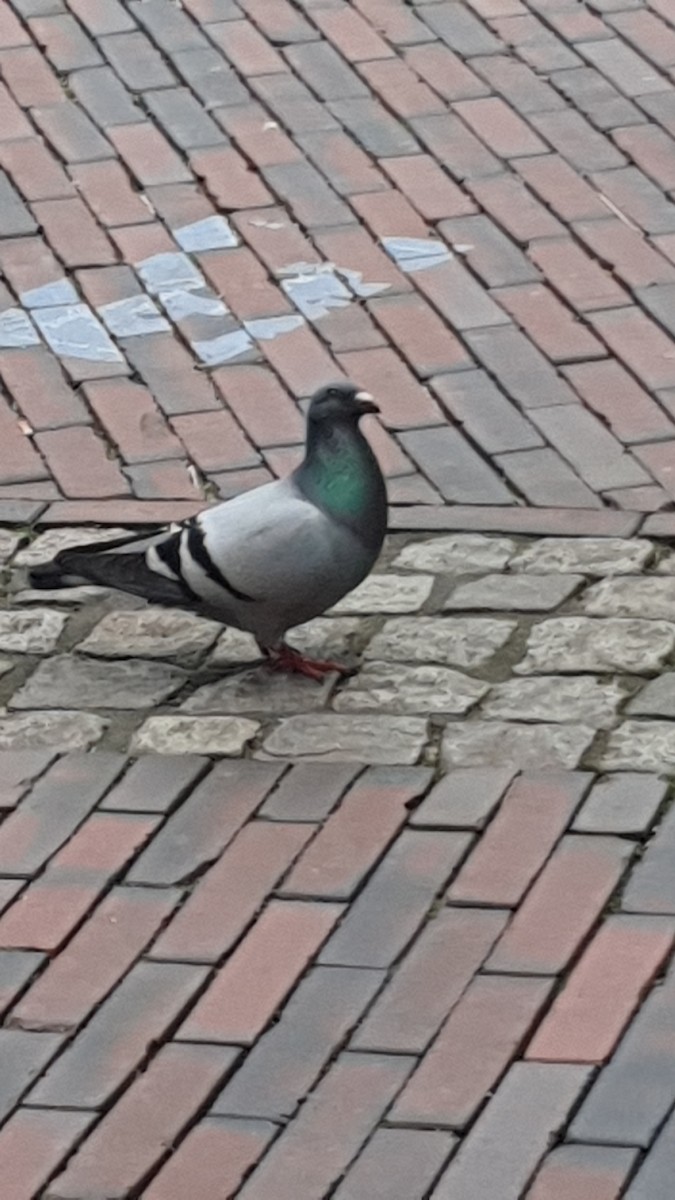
[[151, 633], [6, 665], [387, 593], [225, 736], [327, 637], [234, 646], [66, 681], [640, 746], [625, 804], [62, 730], [632, 596], [30, 631], [458, 554], [515, 593], [504, 743], [657, 699], [423, 689], [261, 690], [333, 737], [589, 699], [574, 644], [586, 556], [8, 544], [459, 641]]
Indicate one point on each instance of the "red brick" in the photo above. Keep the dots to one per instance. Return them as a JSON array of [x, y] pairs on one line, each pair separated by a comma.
[[283, 940], [387, 450], [119, 512], [229, 179], [169, 371], [356, 835], [29, 77], [105, 187], [579, 1172], [637, 198], [354, 248], [27, 262], [398, 25], [163, 481], [524, 90], [79, 463], [514, 1131], [260, 140], [248, 51], [203, 825], [13, 124], [50, 908], [515, 208], [350, 34], [231, 483], [388, 214], [400, 89], [550, 325], [286, 1061], [396, 899], [478, 1040], [558, 522], [73, 233], [430, 980], [624, 249], [57, 804], [19, 460], [274, 238], [301, 361], [215, 1156], [427, 187], [649, 34], [34, 171], [18, 769], [261, 405], [334, 1123], [155, 783], [445, 72], [562, 906], [403, 401], [652, 149], [95, 959], [281, 23], [419, 335], [12, 32], [132, 420], [659, 458], [37, 387], [214, 441], [640, 343], [133, 1136], [148, 154], [397, 1164], [582, 282], [309, 791], [114, 1044], [349, 328], [604, 989], [641, 499], [235, 887], [561, 187], [33, 1144], [180, 204], [137, 242], [614, 395], [348, 168], [532, 816]]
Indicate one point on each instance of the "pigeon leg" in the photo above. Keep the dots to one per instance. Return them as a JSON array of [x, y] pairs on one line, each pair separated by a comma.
[[285, 658]]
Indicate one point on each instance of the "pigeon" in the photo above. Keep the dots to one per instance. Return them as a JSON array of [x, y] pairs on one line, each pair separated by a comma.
[[269, 558]]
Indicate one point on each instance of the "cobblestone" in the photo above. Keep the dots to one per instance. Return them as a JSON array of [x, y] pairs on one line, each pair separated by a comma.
[[401, 689], [587, 644], [194, 735], [460, 554], [60, 730], [589, 556], [151, 633], [591, 700], [338, 738], [65, 680], [521, 593], [462, 641], [504, 743], [35, 631]]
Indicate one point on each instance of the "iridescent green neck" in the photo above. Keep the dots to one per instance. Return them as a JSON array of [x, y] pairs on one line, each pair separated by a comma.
[[341, 476]]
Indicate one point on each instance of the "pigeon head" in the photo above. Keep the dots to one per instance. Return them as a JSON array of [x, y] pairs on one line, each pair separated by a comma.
[[340, 402]]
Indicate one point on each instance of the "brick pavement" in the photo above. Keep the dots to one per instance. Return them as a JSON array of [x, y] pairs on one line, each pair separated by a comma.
[[201, 212], [407, 936]]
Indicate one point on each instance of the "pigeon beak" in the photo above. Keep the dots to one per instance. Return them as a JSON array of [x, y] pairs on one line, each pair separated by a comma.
[[365, 403]]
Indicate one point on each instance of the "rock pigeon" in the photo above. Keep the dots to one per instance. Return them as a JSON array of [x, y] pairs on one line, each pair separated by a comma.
[[269, 558]]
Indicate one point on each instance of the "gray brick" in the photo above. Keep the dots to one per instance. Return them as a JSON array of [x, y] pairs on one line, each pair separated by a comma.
[[136, 61], [518, 83], [374, 128], [292, 103], [651, 887], [183, 119], [311, 200], [464, 798], [488, 417], [325, 71], [492, 254], [519, 367], [625, 803], [546, 480], [632, 74], [15, 218], [594, 95], [210, 77], [588, 445], [105, 98], [71, 132], [167, 25], [460, 29], [454, 467], [654, 1180]]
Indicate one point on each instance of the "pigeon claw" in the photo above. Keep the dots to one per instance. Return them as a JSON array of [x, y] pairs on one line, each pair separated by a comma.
[[285, 658]]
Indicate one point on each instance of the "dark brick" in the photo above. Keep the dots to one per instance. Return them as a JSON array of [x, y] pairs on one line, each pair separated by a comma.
[[654, 1178], [613, 394], [71, 132], [651, 887], [116, 1041], [325, 72], [397, 1164], [133, 1136], [465, 798], [625, 804], [626, 251], [16, 969], [292, 103], [487, 416], [460, 29], [335, 1122], [168, 370], [204, 823], [489, 252], [18, 769], [526, 91], [183, 119], [310, 199], [631, 191], [590, 92], [210, 77], [308, 792], [65, 43], [390, 908], [584, 441], [544, 478], [137, 62], [15, 218], [283, 1066], [155, 783], [169, 27], [535, 43], [461, 475], [448, 139], [577, 1172], [104, 97], [373, 127], [23, 1057], [430, 980]]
